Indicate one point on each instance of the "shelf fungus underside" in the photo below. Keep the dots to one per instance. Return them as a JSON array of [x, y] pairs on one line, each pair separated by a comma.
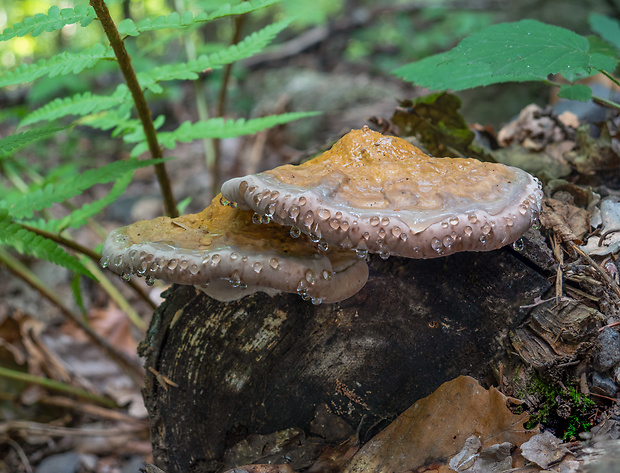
[[223, 253]]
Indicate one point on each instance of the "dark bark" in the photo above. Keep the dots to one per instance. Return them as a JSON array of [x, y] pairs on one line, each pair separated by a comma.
[[264, 363]]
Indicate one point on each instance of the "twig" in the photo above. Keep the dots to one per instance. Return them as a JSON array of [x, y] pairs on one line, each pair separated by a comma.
[[133, 369], [56, 386], [98, 411], [20, 453], [124, 62], [596, 268], [36, 428]]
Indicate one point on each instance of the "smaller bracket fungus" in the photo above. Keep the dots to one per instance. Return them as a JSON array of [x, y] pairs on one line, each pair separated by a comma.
[[380, 194], [224, 254]]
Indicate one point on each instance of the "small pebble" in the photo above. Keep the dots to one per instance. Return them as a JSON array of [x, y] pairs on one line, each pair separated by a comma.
[[604, 384], [609, 353]]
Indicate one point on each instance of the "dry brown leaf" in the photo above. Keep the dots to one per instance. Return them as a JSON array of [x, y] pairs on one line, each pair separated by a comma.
[[568, 221], [435, 428]]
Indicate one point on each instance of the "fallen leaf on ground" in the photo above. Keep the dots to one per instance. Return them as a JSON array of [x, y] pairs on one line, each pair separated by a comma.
[[437, 427], [568, 221], [543, 449]]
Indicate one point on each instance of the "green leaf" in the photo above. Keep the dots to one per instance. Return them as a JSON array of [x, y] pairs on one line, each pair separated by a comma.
[[436, 73], [11, 143], [215, 128], [55, 19], [580, 92], [76, 289], [27, 242], [249, 46], [79, 104], [522, 51], [606, 27], [174, 20], [80, 216], [60, 64], [24, 205]]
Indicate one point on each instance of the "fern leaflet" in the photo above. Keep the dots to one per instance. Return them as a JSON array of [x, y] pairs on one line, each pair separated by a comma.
[[55, 19], [250, 45], [174, 20], [117, 119], [25, 241], [79, 104], [60, 64], [80, 216], [23, 205], [214, 128], [13, 142]]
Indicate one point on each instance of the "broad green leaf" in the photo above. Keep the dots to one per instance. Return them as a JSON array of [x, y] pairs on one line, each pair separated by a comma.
[[526, 47], [608, 28], [580, 92], [508, 52], [436, 73]]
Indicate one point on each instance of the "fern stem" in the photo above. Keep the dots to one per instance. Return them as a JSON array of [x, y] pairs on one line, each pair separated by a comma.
[[56, 386], [605, 102], [133, 369], [124, 62], [610, 77], [95, 256], [209, 145], [221, 103]]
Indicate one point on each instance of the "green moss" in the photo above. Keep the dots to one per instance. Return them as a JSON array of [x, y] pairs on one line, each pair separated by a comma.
[[555, 397]]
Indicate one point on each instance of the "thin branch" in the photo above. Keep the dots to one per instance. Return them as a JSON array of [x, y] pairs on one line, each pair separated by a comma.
[[56, 386], [124, 62]]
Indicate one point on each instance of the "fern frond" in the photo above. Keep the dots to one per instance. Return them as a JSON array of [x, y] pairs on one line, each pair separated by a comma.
[[27, 242], [60, 64], [79, 104], [55, 19], [215, 128], [80, 216], [117, 119], [174, 20], [13, 142], [24, 205], [249, 46]]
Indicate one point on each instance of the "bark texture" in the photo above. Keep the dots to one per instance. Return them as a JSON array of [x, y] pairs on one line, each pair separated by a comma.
[[264, 363]]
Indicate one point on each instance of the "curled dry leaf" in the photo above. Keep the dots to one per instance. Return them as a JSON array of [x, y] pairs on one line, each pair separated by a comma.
[[570, 222], [435, 429]]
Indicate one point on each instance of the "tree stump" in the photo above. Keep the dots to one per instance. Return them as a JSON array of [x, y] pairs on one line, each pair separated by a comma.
[[263, 364]]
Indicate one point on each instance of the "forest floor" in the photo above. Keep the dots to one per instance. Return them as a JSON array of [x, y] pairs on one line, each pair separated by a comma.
[[564, 365]]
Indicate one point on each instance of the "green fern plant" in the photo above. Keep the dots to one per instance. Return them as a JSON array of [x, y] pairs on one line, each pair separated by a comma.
[[26, 195]]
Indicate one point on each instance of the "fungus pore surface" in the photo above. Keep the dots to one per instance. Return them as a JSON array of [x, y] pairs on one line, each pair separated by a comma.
[[222, 252], [381, 194]]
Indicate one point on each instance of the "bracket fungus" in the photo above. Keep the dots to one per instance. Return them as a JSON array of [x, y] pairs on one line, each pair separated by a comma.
[[380, 194], [223, 253]]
